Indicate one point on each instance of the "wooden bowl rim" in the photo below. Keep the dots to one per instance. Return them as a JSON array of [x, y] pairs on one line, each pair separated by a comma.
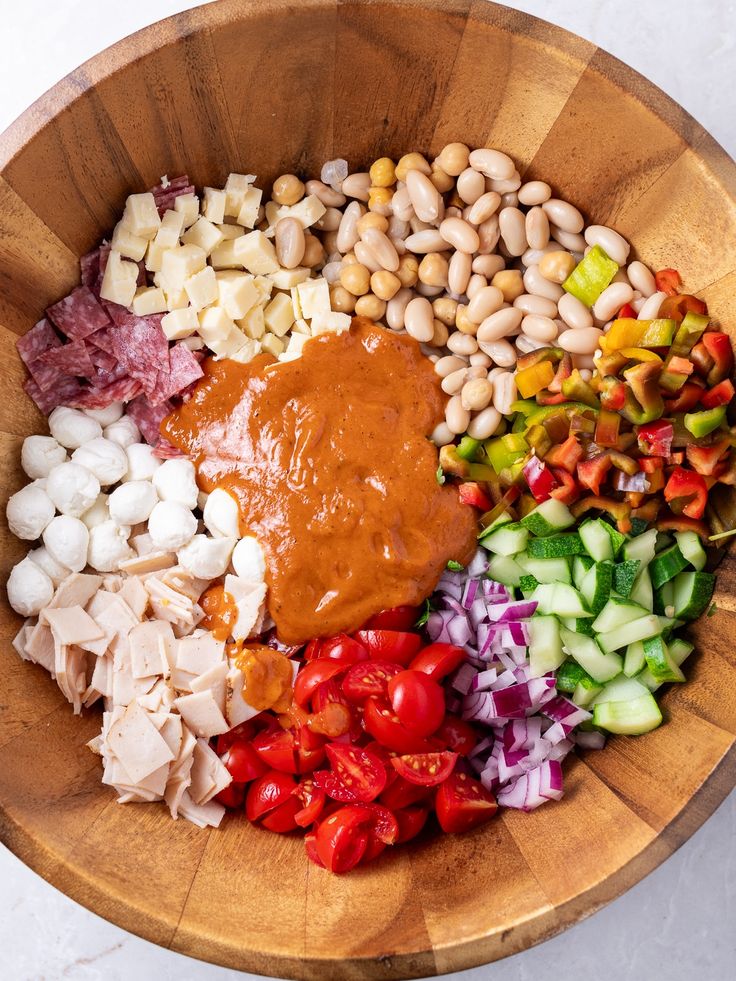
[[717, 785]]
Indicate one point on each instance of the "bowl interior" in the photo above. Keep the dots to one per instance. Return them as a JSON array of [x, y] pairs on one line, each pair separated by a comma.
[[270, 87]]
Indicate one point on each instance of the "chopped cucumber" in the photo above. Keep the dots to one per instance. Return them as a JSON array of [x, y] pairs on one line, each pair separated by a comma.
[[580, 565], [506, 540], [600, 666], [665, 565], [659, 662], [692, 594], [559, 599], [680, 649], [555, 546], [638, 527], [617, 539], [664, 598], [634, 659], [545, 646], [583, 696], [597, 585], [624, 576], [642, 547], [583, 627], [640, 629], [506, 570], [616, 613], [527, 584], [570, 675], [548, 518], [621, 689], [548, 570], [503, 519], [629, 718], [596, 539], [689, 544], [642, 593]]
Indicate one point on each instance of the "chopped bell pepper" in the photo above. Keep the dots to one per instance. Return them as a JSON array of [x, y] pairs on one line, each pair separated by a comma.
[[702, 423], [565, 455], [540, 479], [643, 400], [467, 448], [681, 366], [705, 459], [537, 356], [452, 463], [656, 481], [591, 276], [582, 424], [524, 406], [686, 492], [620, 510], [557, 427], [513, 474], [547, 397], [650, 463], [531, 380], [678, 306], [610, 364], [482, 472], [568, 490], [508, 498], [578, 390], [689, 396], [720, 395], [623, 462], [592, 472], [655, 438], [607, 428], [638, 333], [627, 311], [504, 451], [471, 493], [701, 359], [612, 393], [566, 411], [564, 368], [667, 281], [718, 346], [639, 354], [647, 512], [538, 438], [671, 522]]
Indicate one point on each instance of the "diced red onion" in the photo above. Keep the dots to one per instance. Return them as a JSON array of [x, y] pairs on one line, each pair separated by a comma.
[[469, 593], [463, 679], [483, 680], [561, 709], [459, 630], [478, 564]]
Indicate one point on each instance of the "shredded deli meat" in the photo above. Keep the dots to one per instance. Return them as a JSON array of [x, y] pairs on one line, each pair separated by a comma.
[[329, 459]]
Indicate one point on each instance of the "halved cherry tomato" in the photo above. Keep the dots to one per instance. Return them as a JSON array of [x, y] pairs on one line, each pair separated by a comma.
[[463, 803], [328, 693], [425, 769], [268, 792], [411, 820], [310, 846], [457, 734], [369, 678], [398, 618], [314, 674], [343, 648], [290, 750], [243, 762], [390, 645], [667, 281], [341, 839], [438, 660], [232, 796], [382, 723], [401, 793], [246, 730], [361, 772], [332, 721], [373, 849], [384, 825], [282, 818], [418, 701], [312, 799]]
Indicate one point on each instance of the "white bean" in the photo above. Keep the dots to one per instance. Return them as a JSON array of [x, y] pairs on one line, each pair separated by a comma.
[[424, 290], [569, 240], [614, 245], [445, 366], [650, 310], [488, 265], [535, 283], [357, 186], [641, 278], [366, 257], [611, 300], [537, 228], [456, 417], [486, 301], [563, 215], [532, 256], [492, 163], [470, 185], [290, 242], [526, 344], [540, 306], [401, 204], [584, 340], [573, 312], [486, 205], [460, 235], [330, 220], [504, 392], [452, 383], [503, 353], [480, 359], [347, 233], [484, 424], [398, 228], [534, 192], [382, 248], [426, 240], [540, 328], [475, 285], [510, 200], [460, 343], [459, 272], [396, 308], [476, 393], [489, 233], [498, 325], [504, 187], [442, 435], [512, 224], [424, 196]]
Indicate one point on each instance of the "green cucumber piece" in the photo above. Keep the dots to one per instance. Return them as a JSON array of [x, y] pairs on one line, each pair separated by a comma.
[[555, 546], [642, 547], [642, 593], [621, 689], [638, 527], [503, 519], [559, 599], [578, 625], [664, 598], [665, 565], [641, 629], [580, 565], [631, 718], [634, 659], [570, 674], [505, 569], [693, 592], [659, 662], [680, 649], [583, 696], [548, 570], [597, 586], [624, 576], [506, 540], [616, 613], [527, 584], [548, 518], [545, 646], [689, 544], [617, 539], [600, 666], [596, 539]]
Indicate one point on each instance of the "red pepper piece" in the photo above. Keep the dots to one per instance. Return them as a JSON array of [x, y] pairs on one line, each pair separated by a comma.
[[705, 459], [672, 522], [676, 458], [688, 397], [471, 493], [655, 438], [718, 346], [677, 307], [687, 491], [592, 473], [680, 366], [566, 455], [612, 393], [650, 463], [540, 479], [667, 281], [568, 491], [607, 428], [720, 395], [627, 312]]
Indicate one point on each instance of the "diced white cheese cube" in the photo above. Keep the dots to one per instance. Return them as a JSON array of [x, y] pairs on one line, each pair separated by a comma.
[[237, 293], [154, 256], [247, 351], [256, 253], [301, 327], [273, 345], [295, 302], [179, 264], [202, 288], [230, 345], [279, 314], [120, 280], [334, 323], [294, 347], [214, 325], [176, 300], [203, 233], [307, 211], [149, 300], [230, 231], [188, 207], [253, 323], [180, 323], [286, 279], [272, 211], [314, 298], [141, 215], [127, 244], [172, 227], [248, 214], [265, 288], [213, 206], [236, 187], [223, 256]]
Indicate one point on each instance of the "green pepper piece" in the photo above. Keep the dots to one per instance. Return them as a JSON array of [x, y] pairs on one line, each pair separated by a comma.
[[658, 333], [689, 333], [451, 463], [524, 406], [505, 450], [564, 409], [576, 388], [702, 423], [591, 276], [538, 438], [644, 402], [468, 448]]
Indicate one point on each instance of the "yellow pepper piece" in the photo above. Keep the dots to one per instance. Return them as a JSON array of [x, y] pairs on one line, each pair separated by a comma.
[[625, 332], [534, 379], [640, 354]]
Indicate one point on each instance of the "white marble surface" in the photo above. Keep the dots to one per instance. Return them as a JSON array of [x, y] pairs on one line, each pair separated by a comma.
[[678, 923]]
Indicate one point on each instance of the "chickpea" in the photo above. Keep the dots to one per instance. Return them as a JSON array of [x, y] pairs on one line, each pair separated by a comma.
[[433, 269], [370, 306], [356, 279], [411, 161], [445, 309], [454, 159], [385, 284], [287, 189], [556, 266], [379, 200], [408, 271], [341, 300], [382, 172], [463, 322], [510, 283], [441, 334], [372, 220], [442, 181], [349, 259], [313, 251]]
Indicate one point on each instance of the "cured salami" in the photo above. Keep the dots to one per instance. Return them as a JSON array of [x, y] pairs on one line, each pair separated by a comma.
[[148, 418], [39, 339], [184, 371], [64, 392], [79, 314], [166, 196], [69, 359]]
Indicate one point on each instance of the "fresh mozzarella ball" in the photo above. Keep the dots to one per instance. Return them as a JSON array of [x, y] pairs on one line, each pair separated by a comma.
[[124, 432], [108, 546], [40, 454], [206, 558], [105, 459], [248, 560], [29, 588], [221, 514], [29, 511], [132, 502], [97, 513], [142, 464], [56, 572], [106, 416], [72, 488], [175, 481], [171, 525], [73, 428], [66, 540]]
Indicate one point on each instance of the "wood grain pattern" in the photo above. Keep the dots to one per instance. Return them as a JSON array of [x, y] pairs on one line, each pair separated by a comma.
[[265, 87]]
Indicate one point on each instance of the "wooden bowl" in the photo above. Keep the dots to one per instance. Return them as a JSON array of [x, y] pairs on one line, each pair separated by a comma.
[[273, 86]]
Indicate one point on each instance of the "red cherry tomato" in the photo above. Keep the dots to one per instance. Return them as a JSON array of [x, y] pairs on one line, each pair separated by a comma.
[[268, 792], [401, 794], [369, 678], [343, 648], [384, 825], [418, 701], [246, 730], [425, 769], [232, 797], [289, 750], [332, 721], [243, 762], [390, 645], [313, 649], [411, 820], [438, 660], [457, 734], [399, 618], [342, 838], [328, 693], [314, 674], [361, 772], [312, 799], [383, 725], [463, 803], [282, 818], [373, 849], [310, 846]]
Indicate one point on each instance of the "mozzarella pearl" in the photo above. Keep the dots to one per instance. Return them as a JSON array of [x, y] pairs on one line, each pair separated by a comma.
[[124, 432], [97, 513], [29, 588], [171, 526], [132, 502], [142, 464], [56, 572], [175, 480], [108, 546], [106, 416], [221, 514], [40, 454], [73, 428], [105, 459], [248, 560], [29, 511], [66, 540], [72, 488], [206, 558]]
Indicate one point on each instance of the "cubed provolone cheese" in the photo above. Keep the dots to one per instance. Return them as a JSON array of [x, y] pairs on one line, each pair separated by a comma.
[[188, 207], [141, 215], [247, 351], [203, 233], [127, 244], [149, 300], [180, 323], [253, 323], [223, 256], [237, 293], [179, 264], [314, 298], [215, 326], [286, 279], [202, 288], [120, 280], [334, 323], [248, 214], [256, 253], [213, 206], [273, 344], [236, 187], [279, 314]]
